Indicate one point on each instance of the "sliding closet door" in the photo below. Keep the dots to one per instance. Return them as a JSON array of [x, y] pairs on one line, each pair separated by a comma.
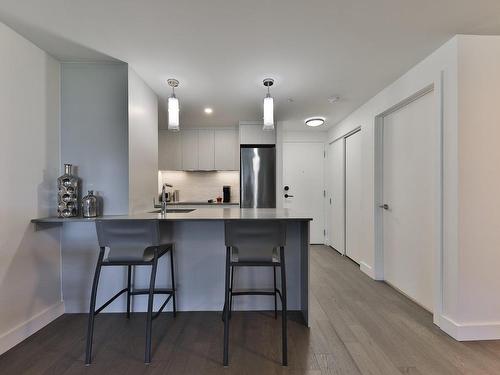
[[336, 202], [353, 189]]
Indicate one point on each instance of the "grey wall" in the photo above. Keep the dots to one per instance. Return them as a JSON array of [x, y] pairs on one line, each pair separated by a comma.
[[94, 138], [94, 129]]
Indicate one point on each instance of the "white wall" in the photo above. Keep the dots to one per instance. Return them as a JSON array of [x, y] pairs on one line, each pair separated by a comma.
[[479, 180], [30, 283], [443, 61], [142, 144], [471, 241]]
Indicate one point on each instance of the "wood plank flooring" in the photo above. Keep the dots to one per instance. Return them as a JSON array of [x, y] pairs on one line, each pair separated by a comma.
[[359, 326]]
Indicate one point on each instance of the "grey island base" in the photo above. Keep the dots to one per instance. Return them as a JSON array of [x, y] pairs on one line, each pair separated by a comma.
[[199, 261]]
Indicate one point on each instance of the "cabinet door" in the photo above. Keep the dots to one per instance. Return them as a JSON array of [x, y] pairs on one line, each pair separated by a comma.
[[252, 134], [206, 150], [268, 137], [189, 150], [225, 149], [169, 151]]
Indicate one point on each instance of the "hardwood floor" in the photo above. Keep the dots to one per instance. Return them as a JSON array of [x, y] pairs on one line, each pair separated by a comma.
[[359, 326]]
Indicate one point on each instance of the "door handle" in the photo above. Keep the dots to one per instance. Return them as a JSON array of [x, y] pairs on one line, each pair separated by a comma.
[[384, 206], [288, 196]]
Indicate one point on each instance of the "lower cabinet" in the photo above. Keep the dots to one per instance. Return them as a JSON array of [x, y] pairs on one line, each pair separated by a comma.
[[199, 150]]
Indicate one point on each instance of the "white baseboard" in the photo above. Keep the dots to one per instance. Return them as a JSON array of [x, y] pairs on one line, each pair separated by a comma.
[[365, 268], [24, 330], [470, 331]]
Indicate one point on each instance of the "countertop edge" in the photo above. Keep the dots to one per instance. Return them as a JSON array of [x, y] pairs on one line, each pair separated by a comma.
[[203, 204], [53, 220]]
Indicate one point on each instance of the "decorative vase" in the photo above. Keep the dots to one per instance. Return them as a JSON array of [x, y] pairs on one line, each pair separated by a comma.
[[89, 205], [67, 197]]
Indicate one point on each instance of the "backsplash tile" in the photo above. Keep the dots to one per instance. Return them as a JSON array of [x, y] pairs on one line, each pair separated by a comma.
[[201, 186]]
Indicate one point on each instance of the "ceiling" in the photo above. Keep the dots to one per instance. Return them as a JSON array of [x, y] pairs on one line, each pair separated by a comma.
[[220, 50]]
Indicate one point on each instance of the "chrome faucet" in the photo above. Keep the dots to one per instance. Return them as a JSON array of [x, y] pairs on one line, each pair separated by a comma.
[[163, 200]]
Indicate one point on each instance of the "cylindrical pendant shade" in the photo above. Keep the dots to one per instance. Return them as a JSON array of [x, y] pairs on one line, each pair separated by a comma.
[[173, 113], [268, 113]]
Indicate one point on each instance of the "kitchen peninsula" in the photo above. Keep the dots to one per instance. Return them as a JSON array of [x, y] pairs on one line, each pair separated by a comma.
[[198, 236]]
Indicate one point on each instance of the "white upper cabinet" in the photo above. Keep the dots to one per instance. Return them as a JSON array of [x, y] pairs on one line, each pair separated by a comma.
[[206, 152], [169, 151], [251, 133], [189, 141], [199, 150], [226, 150]]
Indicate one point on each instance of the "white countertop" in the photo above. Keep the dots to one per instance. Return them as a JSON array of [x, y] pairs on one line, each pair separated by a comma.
[[199, 214]]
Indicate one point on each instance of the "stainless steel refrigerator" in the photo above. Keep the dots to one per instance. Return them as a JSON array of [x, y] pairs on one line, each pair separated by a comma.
[[258, 176]]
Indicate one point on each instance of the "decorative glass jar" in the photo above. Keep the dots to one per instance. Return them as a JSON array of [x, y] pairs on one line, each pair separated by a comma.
[[68, 186], [89, 205]]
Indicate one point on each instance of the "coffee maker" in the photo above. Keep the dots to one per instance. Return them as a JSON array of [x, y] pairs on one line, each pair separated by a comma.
[[226, 194]]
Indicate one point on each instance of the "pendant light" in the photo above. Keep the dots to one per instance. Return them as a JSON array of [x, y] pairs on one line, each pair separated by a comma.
[[268, 106], [173, 107]]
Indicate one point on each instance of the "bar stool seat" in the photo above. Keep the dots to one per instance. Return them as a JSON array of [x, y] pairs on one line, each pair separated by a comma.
[[132, 253], [131, 243]]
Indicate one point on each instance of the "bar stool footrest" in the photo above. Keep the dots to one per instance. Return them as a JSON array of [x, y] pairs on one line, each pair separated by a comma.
[[137, 292]]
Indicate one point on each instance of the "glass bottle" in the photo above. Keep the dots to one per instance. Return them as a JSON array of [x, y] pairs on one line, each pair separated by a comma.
[[89, 205]]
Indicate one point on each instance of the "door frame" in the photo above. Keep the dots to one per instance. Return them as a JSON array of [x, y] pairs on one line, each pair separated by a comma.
[[437, 87], [342, 139]]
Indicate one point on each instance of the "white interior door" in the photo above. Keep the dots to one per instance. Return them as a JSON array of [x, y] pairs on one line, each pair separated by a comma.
[[336, 202], [303, 173], [353, 186], [410, 158]]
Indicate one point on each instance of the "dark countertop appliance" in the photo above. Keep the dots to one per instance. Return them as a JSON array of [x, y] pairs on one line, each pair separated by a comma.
[[226, 194]]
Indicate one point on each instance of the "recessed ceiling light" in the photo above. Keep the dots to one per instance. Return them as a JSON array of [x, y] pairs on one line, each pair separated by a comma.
[[315, 121], [208, 110]]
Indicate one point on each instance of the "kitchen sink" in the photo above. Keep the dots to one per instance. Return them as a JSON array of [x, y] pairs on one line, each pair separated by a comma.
[[174, 211]]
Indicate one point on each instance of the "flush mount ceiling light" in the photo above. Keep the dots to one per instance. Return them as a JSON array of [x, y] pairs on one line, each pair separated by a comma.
[[268, 106], [173, 107], [208, 111], [315, 121]]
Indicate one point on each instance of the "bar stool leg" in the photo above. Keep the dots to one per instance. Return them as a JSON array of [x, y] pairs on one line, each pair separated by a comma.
[[231, 293], [226, 309], [173, 279], [149, 319], [90, 328], [284, 335], [275, 295], [129, 289]]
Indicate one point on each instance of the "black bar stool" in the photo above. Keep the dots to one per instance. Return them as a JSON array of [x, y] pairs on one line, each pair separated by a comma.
[[255, 243], [130, 243]]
